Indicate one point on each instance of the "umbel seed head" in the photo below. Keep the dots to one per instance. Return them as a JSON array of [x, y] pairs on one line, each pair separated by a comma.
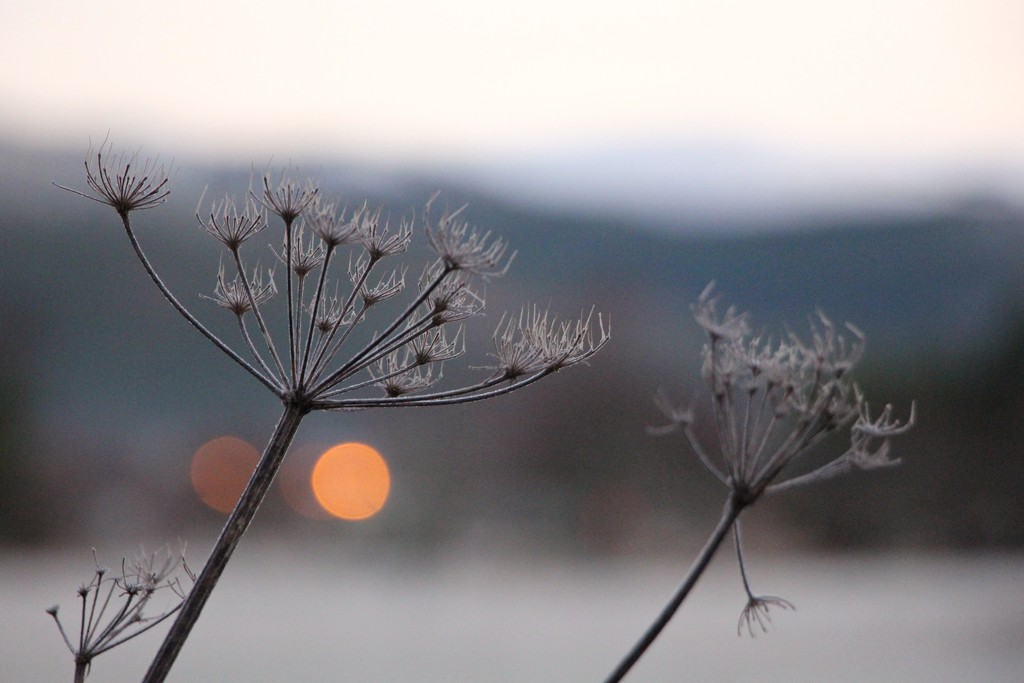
[[123, 182]]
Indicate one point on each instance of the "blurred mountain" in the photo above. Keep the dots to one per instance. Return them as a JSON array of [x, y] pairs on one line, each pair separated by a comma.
[[711, 185], [113, 391]]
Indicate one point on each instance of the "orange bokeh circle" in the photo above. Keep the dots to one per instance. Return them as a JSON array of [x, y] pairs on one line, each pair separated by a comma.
[[351, 481], [220, 470]]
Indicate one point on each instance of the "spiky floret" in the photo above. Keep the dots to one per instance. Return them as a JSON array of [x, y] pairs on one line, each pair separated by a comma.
[[772, 402], [230, 226], [123, 182]]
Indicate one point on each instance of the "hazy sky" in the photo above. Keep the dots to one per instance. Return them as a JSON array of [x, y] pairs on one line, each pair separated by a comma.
[[465, 79]]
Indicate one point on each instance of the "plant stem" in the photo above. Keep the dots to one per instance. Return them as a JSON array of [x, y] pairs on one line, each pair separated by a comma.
[[266, 381], [730, 513], [230, 535], [81, 671]]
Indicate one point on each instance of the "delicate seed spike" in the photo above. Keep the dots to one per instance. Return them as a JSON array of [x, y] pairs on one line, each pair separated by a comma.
[[113, 181], [288, 200], [461, 248], [231, 227]]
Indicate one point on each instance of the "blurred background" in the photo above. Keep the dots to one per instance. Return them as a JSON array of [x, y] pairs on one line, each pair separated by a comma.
[[867, 160]]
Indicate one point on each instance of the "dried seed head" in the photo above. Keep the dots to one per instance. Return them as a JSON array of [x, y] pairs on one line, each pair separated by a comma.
[[238, 296], [756, 613], [450, 296], [829, 352], [730, 325], [304, 258], [538, 342], [310, 370], [104, 624], [774, 401], [399, 375], [434, 347], [331, 314], [461, 248], [288, 200], [231, 227], [332, 227], [869, 439], [123, 182], [378, 241], [387, 287], [567, 343]]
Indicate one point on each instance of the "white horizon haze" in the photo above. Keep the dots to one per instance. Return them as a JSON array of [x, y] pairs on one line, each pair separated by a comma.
[[796, 102]]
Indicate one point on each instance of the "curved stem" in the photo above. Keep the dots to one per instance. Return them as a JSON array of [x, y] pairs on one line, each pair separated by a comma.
[[323, 356], [739, 560], [259, 321], [230, 535], [313, 313], [382, 338], [252, 347], [188, 316], [730, 513], [291, 316], [440, 398], [411, 332]]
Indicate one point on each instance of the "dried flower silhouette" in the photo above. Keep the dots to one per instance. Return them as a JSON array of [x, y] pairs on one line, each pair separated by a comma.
[[113, 609], [772, 402], [320, 361], [756, 611]]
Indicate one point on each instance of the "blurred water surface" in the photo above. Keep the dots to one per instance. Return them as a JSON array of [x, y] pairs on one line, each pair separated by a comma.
[[285, 612]]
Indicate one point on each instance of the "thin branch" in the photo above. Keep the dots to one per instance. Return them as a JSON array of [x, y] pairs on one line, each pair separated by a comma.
[[234, 528], [252, 347], [314, 310], [730, 514], [325, 357], [259, 318], [382, 337], [265, 381], [476, 392]]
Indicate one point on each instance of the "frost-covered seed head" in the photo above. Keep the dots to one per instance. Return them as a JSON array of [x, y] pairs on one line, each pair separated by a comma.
[[459, 247], [304, 258], [235, 296], [230, 226], [289, 199], [123, 182], [379, 241]]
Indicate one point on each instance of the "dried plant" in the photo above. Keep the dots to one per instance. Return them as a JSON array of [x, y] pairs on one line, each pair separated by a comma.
[[317, 363], [772, 402], [114, 605]]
